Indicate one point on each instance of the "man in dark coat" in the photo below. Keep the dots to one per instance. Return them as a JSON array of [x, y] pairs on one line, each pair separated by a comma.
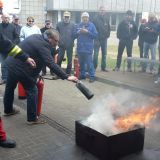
[[8, 29], [37, 47], [18, 27], [141, 37], [127, 31], [150, 32], [66, 42], [9, 49], [48, 25], [102, 25]]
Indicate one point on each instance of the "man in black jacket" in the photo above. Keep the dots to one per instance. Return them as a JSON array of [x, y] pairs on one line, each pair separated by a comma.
[[48, 25], [150, 32], [102, 25], [9, 49], [127, 31], [66, 42], [37, 47], [9, 30]]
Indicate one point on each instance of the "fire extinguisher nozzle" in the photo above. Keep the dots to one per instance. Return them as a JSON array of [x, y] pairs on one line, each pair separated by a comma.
[[88, 94]]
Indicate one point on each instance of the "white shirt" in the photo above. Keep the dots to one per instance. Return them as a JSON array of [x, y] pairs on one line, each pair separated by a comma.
[[28, 30]]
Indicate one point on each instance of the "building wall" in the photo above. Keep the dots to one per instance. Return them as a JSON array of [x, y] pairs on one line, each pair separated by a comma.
[[115, 8], [35, 8], [111, 5], [53, 9]]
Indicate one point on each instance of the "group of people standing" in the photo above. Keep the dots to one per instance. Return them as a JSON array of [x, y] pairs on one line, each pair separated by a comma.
[[90, 37]]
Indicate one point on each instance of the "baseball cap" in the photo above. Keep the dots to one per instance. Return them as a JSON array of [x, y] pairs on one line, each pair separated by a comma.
[[129, 13], [15, 17], [85, 14], [47, 21], [66, 14]]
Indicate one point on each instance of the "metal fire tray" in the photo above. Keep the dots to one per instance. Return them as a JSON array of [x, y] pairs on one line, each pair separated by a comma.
[[109, 147]]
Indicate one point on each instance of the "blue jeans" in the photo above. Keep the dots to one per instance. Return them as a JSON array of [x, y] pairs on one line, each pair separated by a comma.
[[61, 54], [97, 45], [86, 59], [32, 95], [152, 48]]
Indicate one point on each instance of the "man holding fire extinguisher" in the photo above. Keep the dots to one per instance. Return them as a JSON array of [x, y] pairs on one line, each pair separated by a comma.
[[37, 47], [9, 49]]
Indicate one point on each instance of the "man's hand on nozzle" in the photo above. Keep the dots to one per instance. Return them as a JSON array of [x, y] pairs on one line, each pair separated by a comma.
[[72, 78], [31, 62]]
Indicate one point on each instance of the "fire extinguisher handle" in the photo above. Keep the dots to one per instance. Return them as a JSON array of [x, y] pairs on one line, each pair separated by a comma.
[[40, 78]]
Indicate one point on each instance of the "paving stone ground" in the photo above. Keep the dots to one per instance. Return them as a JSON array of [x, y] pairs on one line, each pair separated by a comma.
[[55, 140]]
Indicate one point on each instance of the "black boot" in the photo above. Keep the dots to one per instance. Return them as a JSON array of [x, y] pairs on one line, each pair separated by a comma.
[[8, 143]]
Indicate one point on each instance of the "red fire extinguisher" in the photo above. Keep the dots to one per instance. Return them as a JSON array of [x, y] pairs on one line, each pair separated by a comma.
[[40, 86], [76, 67], [21, 91]]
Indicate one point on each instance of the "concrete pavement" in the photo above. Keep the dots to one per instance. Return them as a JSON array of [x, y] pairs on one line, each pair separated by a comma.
[[62, 105]]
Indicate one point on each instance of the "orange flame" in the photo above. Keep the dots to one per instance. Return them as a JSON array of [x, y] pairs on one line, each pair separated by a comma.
[[140, 116]]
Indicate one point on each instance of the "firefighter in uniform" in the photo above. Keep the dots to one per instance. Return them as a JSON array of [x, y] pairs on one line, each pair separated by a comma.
[[9, 49], [39, 48]]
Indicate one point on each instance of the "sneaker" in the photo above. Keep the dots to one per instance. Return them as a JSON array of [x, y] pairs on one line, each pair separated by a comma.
[[153, 72], [129, 70], [157, 81], [15, 111], [55, 77], [116, 69], [81, 78], [91, 80], [104, 70], [37, 121], [2, 82], [8, 143]]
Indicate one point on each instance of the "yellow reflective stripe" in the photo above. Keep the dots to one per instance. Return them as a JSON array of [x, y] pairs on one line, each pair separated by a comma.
[[15, 51]]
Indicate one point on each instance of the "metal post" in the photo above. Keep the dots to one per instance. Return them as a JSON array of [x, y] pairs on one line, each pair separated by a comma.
[[136, 8]]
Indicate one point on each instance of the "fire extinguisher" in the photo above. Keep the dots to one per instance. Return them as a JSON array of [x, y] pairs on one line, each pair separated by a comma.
[[76, 67], [40, 86], [21, 91]]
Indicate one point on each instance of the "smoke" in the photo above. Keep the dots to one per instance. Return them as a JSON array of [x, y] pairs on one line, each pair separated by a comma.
[[107, 108]]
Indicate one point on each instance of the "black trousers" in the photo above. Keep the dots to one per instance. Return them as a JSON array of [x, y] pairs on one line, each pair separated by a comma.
[[121, 46]]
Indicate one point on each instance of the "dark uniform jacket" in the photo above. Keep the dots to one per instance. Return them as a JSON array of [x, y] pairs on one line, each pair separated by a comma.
[[9, 31], [6, 46], [40, 50], [66, 34], [141, 34], [102, 25], [44, 29], [127, 30], [18, 29]]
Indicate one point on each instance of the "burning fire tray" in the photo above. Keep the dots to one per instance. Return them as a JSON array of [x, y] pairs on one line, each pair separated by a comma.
[[110, 147]]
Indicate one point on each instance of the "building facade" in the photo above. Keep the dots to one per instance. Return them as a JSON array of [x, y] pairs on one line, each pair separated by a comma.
[[115, 8], [53, 9]]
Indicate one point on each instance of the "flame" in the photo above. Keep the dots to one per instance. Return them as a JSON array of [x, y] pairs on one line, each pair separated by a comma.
[[140, 116]]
